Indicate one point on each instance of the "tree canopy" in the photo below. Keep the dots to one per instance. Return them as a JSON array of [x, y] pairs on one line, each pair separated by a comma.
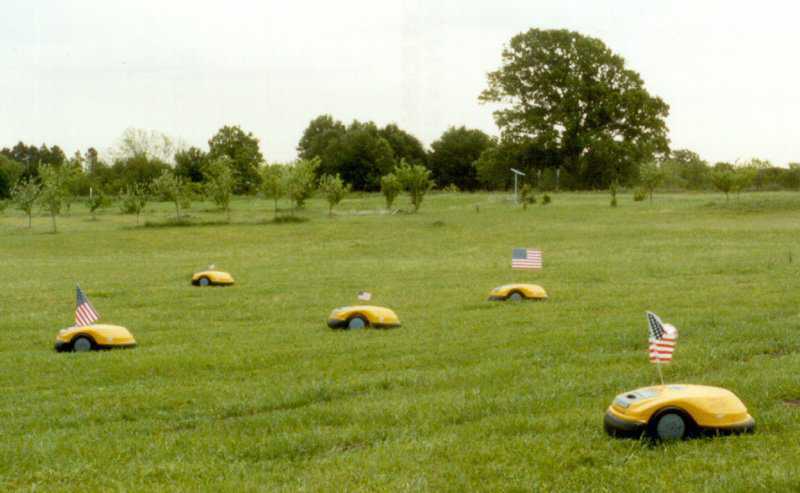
[[245, 156], [570, 94], [454, 155]]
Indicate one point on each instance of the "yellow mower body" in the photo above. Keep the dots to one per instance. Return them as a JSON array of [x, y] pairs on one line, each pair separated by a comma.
[[361, 316], [517, 292], [659, 411], [94, 337], [212, 278]]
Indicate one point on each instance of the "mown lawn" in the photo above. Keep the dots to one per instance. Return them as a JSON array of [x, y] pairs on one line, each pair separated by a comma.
[[246, 389]]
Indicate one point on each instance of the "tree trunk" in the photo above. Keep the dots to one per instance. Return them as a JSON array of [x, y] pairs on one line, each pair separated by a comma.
[[53, 217], [30, 220], [275, 210]]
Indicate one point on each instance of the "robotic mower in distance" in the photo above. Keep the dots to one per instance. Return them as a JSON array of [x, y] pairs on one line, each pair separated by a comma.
[[93, 337], [518, 292], [674, 412], [212, 278], [359, 317]]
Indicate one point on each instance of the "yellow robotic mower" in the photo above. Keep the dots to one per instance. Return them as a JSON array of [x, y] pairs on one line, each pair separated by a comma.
[[517, 292], [359, 317], [212, 278], [673, 412], [93, 337]]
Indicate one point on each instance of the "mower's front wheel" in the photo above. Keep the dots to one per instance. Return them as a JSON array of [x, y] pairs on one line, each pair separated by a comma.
[[356, 322], [204, 281], [515, 296]]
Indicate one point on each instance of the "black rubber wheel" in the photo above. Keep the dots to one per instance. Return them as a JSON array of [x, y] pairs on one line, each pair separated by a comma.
[[357, 322], [515, 296], [203, 281], [670, 425], [82, 344]]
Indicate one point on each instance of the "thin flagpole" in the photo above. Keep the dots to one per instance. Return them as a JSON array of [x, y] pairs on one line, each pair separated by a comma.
[[660, 375]]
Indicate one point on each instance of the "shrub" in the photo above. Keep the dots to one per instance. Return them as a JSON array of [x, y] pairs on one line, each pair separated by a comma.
[[171, 188], [334, 190], [273, 184], [390, 188], [299, 180], [416, 180], [451, 188], [134, 200], [546, 199], [97, 200], [639, 194], [55, 190], [25, 195], [220, 182]]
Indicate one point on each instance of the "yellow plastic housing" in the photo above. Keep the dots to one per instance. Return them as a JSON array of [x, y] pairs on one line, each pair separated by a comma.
[[376, 316], [214, 277], [527, 291], [102, 336], [709, 407]]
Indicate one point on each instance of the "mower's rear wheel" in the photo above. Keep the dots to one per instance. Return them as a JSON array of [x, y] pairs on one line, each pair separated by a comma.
[[670, 426], [357, 322], [82, 344], [515, 296], [204, 281]]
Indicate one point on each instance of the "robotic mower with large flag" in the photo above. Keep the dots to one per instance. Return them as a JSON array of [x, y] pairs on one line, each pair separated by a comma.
[[673, 412], [362, 316], [85, 335], [527, 259]]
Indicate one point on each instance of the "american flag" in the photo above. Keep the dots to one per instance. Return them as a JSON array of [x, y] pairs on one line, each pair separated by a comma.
[[523, 258], [85, 313], [663, 339], [364, 295]]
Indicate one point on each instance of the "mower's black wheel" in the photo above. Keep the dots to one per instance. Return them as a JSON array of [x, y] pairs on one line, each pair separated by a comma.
[[670, 425], [356, 322], [82, 344], [515, 296], [204, 281]]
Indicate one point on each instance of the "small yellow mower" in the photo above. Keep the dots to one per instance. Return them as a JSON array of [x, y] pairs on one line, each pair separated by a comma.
[[361, 316], [212, 278], [93, 337], [674, 412], [518, 292]]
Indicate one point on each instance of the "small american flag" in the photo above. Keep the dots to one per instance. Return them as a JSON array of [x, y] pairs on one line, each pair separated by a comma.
[[364, 295], [523, 258], [85, 313], [663, 339]]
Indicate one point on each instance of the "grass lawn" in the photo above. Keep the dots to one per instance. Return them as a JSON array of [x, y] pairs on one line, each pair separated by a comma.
[[246, 389]]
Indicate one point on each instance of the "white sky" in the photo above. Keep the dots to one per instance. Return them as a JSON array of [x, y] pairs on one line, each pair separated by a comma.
[[77, 73]]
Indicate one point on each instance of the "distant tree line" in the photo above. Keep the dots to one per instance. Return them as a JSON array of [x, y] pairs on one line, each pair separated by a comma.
[[571, 115]]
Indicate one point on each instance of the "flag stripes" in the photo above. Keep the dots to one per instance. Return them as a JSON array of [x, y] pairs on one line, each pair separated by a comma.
[[85, 313], [663, 339], [524, 258]]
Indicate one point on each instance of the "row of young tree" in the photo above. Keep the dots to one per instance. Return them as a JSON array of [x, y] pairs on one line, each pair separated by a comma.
[[52, 192]]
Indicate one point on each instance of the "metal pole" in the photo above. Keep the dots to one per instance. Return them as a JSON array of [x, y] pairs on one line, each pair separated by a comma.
[[516, 197], [660, 375]]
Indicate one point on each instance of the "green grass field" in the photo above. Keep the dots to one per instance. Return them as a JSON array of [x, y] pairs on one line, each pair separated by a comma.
[[246, 389]]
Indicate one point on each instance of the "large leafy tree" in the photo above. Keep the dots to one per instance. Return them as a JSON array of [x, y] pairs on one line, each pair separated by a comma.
[[189, 164], [30, 157], [571, 94], [10, 171], [322, 132], [454, 155], [404, 145], [244, 153], [685, 169], [360, 152]]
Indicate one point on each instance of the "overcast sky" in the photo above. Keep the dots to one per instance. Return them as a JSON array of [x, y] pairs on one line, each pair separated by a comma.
[[77, 73]]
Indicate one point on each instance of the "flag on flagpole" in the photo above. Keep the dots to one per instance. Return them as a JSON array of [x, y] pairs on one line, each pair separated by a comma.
[[85, 313], [663, 339], [364, 295], [525, 258]]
